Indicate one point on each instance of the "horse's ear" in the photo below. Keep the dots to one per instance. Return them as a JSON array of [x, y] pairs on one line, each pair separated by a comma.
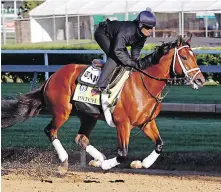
[[189, 40], [179, 41]]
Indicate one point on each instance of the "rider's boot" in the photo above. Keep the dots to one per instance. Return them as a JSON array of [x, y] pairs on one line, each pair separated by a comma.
[[105, 77]]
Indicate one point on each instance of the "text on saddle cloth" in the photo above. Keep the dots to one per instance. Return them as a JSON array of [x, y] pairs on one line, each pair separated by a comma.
[[90, 75], [84, 93], [86, 81]]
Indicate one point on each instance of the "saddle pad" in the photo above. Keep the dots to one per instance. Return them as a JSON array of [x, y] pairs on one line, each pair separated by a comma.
[[116, 90], [84, 93]]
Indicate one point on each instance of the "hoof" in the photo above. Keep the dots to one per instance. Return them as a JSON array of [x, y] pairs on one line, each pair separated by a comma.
[[63, 168], [94, 163], [136, 164]]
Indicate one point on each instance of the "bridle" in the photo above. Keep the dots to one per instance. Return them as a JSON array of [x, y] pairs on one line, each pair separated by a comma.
[[185, 71], [175, 79], [169, 81]]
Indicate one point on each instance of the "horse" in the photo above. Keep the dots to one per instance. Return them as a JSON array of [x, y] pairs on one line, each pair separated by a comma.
[[142, 91]]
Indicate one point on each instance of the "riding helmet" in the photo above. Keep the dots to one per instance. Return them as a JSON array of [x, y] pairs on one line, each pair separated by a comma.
[[146, 19]]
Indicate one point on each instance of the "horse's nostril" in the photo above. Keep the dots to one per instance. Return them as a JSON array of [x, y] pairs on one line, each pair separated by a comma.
[[199, 82]]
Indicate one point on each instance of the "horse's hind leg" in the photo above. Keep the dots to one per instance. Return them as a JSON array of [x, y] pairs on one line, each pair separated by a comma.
[[51, 130], [151, 131], [82, 139]]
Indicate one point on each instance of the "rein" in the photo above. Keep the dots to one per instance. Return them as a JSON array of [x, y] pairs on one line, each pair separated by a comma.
[[167, 80]]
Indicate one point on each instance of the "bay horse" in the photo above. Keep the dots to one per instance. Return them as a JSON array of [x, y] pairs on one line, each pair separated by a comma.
[[138, 106]]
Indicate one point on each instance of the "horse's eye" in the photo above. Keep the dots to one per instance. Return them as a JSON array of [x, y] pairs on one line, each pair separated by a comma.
[[183, 57]]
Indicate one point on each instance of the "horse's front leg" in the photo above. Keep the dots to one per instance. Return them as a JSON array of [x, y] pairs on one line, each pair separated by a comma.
[[151, 131], [123, 134]]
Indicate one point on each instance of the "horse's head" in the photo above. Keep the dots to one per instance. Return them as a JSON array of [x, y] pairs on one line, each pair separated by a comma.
[[184, 62]]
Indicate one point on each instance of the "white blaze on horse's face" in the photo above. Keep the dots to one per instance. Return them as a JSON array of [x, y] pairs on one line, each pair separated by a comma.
[[191, 53], [187, 69]]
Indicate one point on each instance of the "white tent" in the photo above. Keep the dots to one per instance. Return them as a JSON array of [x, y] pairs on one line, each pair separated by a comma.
[[92, 7], [52, 8]]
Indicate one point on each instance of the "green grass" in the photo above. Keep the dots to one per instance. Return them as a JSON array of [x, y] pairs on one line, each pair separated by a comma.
[[14, 89], [73, 44], [180, 134], [185, 94], [177, 94]]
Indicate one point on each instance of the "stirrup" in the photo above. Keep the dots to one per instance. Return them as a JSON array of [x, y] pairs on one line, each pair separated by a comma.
[[101, 90]]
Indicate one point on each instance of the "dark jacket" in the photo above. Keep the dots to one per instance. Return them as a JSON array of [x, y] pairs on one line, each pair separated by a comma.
[[123, 34]]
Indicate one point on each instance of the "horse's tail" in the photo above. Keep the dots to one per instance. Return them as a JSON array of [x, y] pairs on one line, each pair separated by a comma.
[[26, 106]]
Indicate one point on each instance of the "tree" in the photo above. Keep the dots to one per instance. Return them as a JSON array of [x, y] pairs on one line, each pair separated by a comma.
[[29, 5]]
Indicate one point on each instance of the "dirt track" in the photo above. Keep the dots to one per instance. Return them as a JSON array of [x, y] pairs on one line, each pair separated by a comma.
[[108, 182], [31, 170]]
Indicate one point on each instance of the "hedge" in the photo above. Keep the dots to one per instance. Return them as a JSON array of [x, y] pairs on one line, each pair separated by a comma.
[[46, 46], [83, 46], [62, 59]]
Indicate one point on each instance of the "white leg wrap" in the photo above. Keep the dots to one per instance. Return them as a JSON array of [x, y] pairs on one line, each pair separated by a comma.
[[148, 161], [97, 155], [110, 163], [62, 154]]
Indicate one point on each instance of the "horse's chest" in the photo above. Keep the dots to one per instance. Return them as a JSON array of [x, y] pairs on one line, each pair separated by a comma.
[[147, 112]]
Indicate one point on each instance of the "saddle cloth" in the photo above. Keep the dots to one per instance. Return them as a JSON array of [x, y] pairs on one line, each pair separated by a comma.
[[86, 82], [84, 91]]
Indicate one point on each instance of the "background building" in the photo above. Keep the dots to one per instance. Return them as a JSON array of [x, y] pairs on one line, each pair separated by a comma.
[[57, 20]]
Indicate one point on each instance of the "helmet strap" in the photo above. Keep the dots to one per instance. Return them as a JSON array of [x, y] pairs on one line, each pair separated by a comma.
[[140, 32]]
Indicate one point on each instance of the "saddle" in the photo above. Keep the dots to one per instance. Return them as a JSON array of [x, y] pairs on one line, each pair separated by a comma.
[[84, 98]]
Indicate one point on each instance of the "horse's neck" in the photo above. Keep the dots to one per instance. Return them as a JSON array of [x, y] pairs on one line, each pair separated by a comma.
[[161, 70]]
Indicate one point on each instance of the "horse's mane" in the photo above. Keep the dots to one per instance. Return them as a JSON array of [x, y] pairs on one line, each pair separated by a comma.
[[163, 49], [160, 51]]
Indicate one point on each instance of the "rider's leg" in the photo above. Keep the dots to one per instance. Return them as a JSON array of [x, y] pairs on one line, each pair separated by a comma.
[[105, 44], [106, 74]]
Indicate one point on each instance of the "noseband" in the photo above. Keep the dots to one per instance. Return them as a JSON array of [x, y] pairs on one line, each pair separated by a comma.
[[185, 71]]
